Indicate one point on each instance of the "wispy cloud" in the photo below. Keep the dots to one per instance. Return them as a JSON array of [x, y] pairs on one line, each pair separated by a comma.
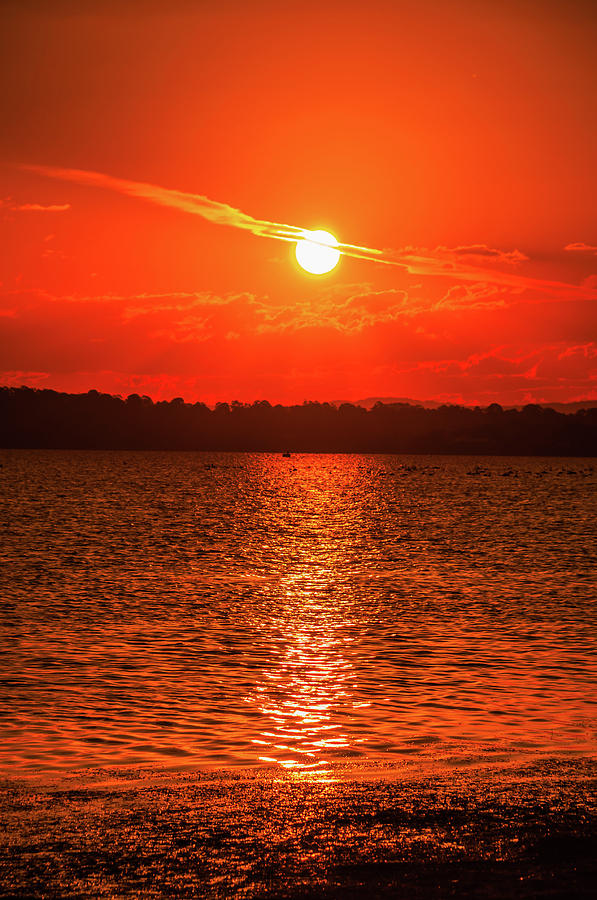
[[483, 253], [7, 203], [468, 263], [452, 263], [198, 205], [581, 247]]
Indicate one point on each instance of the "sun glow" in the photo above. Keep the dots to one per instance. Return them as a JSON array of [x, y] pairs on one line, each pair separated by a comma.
[[317, 252]]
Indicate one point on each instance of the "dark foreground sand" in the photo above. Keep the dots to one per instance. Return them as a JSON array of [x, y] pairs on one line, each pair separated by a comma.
[[523, 832]]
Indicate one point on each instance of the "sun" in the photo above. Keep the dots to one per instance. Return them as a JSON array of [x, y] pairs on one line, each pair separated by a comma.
[[317, 252]]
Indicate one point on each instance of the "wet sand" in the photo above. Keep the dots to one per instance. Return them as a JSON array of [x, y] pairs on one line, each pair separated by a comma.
[[523, 831]]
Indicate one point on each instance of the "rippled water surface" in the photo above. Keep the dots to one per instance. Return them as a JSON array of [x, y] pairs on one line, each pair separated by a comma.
[[252, 609]]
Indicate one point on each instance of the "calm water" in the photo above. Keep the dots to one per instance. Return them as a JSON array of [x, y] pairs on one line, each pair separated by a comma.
[[226, 609]]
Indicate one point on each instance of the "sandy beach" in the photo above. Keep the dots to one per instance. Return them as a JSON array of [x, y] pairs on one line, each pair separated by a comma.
[[525, 831]]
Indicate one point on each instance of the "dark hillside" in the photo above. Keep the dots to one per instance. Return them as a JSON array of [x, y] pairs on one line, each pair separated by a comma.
[[31, 418]]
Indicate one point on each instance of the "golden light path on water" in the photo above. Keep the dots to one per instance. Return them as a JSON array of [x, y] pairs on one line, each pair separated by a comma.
[[306, 692], [307, 686]]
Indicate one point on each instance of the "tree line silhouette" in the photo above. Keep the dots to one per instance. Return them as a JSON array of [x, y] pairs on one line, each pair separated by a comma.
[[34, 418]]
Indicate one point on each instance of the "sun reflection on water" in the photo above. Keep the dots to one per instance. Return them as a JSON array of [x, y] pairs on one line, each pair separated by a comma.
[[305, 695], [305, 692]]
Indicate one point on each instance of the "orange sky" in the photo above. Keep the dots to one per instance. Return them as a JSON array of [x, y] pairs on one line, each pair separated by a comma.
[[458, 138]]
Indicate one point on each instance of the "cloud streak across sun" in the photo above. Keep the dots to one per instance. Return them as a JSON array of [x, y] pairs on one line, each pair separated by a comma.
[[199, 205], [463, 263]]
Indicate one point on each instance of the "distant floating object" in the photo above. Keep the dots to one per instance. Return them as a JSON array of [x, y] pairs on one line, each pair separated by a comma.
[[286, 453]]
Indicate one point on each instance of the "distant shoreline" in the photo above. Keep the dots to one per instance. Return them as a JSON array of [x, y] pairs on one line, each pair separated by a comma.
[[377, 453], [45, 419]]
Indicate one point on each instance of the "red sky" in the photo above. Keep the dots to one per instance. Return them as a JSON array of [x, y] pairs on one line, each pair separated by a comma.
[[458, 138]]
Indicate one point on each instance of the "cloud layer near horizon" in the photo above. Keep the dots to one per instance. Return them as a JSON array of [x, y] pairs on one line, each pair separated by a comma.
[[201, 345]]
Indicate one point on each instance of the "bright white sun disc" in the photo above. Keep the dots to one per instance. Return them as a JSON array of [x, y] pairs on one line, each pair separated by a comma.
[[317, 252]]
